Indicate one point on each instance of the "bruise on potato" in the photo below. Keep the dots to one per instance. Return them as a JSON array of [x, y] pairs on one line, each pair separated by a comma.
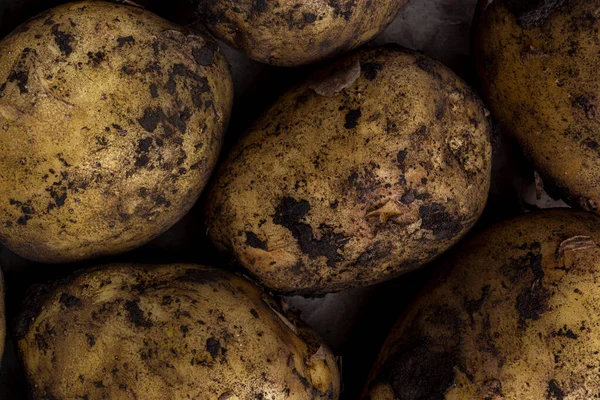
[[111, 121], [512, 315], [168, 332], [370, 169], [537, 62], [292, 33]]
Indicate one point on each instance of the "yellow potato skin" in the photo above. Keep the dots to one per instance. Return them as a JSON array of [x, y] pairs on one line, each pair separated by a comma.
[[513, 315], [169, 332], [538, 75], [330, 191], [291, 33], [111, 121]]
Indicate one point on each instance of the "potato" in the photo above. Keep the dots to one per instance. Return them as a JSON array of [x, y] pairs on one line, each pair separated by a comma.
[[367, 171], [169, 332], [111, 121], [513, 315], [537, 64], [291, 33]]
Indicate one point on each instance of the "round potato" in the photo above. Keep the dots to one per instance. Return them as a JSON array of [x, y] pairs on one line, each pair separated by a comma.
[[369, 170], [169, 332], [291, 33], [111, 121], [537, 63], [514, 315]]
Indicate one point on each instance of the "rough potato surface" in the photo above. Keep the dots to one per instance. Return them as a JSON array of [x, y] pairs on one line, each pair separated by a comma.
[[369, 170], [292, 33], [169, 332], [538, 67], [111, 120], [514, 315]]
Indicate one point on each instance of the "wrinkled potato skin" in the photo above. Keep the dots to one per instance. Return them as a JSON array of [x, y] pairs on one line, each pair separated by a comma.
[[538, 70], [169, 332], [326, 193], [291, 33], [111, 121], [514, 315]]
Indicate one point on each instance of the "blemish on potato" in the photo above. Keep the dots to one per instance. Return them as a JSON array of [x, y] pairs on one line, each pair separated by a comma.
[[442, 224], [136, 315], [253, 241], [371, 69], [554, 391], [418, 371], [68, 300], [291, 213], [122, 41], [352, 118], [63, 40]]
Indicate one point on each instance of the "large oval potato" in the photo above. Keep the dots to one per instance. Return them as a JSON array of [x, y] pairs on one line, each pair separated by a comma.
[[291, 33], [514, 315], [111, 121], [369, 170], [169, 332], [537, 63]]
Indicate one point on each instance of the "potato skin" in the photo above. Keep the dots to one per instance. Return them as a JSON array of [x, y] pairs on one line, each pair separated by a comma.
[[327, 192], [169, 332], [537, 64], [111, 121], [291, 33], [513, 315]]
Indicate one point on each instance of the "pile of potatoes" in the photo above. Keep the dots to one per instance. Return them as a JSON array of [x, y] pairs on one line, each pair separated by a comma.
[[375, 164]]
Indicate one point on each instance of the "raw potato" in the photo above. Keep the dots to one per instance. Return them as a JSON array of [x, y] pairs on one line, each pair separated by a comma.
[[169, 332], [368, 171], [514, 315], [111, 121], [291, 33], [538, 67]]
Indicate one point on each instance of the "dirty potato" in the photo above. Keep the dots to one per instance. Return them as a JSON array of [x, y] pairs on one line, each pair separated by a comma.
[[169, 332], [514, 315], [369, 170], [291, 33], [537, 62], [111, 121]]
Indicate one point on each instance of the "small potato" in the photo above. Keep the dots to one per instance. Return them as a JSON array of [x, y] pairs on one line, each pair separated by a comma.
[[292, 33], [513, 315], [537, 62], [371, 169], [111, 121], [169, 332]]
